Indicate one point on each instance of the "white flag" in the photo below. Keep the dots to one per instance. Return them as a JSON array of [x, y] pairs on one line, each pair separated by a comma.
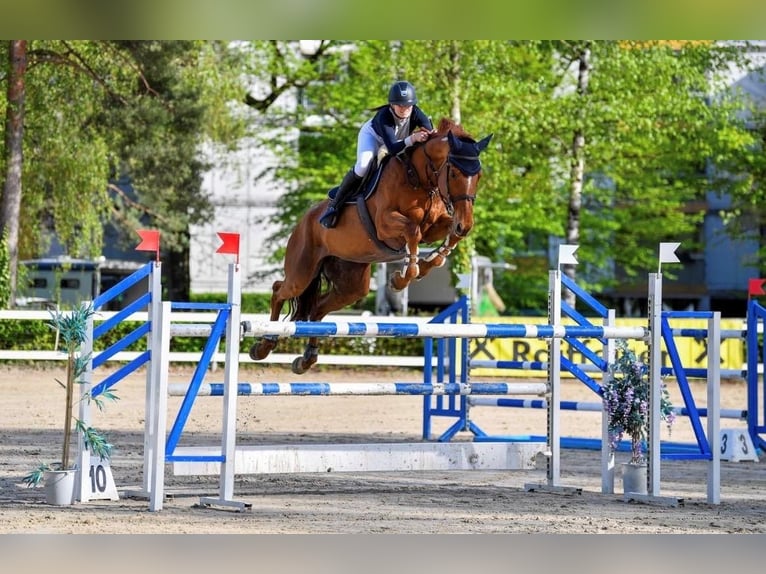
[[566, 254], [668, 253]]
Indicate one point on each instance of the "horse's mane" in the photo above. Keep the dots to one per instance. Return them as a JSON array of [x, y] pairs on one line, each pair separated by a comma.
[[447, 124]]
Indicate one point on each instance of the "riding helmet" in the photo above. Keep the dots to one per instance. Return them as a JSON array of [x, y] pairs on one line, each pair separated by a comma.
[[402, 94]]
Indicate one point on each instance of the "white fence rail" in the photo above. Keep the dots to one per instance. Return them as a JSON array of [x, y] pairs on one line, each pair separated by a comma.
[[193, 357]]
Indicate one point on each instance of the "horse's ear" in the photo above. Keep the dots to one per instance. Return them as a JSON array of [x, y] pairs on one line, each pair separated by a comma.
[[484, 143], [453, 141]]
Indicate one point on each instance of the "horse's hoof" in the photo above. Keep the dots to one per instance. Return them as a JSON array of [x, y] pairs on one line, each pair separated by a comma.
[[399, 281], [258, 352], [298, 366], [396, 284]]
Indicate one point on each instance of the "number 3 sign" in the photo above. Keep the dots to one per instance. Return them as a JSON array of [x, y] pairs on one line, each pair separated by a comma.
[[737, 446]]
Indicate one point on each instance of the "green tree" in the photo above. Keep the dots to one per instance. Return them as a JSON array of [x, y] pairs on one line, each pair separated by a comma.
[[13, 156], [605, 144], [746, 173], [95, 112], [643, 135], [177, 106], [52, 149]]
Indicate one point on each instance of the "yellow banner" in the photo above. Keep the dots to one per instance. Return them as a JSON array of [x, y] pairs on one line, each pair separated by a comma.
[[692, 352]]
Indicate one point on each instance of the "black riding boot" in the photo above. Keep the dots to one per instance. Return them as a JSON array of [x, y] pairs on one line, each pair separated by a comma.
[[349, 185]]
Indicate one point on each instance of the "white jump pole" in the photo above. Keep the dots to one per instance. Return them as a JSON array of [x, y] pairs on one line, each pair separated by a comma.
[[666, 255], [554, 381], [655, 377], [553, 452], [364, 389], [607, 456], [159, 408], [152, 375], [230, 382], [83, 452], [714, 408]]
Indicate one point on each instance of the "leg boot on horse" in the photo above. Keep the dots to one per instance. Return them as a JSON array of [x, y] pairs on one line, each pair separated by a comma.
[[348, 186]]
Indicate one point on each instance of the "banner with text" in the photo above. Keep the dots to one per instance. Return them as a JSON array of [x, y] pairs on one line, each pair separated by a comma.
[[692, 351]]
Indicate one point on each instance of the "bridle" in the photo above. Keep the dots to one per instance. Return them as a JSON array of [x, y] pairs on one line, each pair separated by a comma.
[[433, 173]]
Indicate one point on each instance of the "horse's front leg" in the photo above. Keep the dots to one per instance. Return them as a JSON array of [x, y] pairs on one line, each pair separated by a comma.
[[438, 257], [402, 278], [396, 226]]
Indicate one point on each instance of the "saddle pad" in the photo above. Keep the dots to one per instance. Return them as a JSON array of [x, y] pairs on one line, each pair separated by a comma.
[[368, 187]]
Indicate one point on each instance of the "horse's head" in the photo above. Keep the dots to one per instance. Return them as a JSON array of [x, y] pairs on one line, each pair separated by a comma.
[[457, 172]]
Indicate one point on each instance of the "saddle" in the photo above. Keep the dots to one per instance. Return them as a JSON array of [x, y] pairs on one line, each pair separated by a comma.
[[370, 182]]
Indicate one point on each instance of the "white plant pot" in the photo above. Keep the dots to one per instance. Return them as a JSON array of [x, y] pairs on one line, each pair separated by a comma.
[[60, 487], [634, 478]]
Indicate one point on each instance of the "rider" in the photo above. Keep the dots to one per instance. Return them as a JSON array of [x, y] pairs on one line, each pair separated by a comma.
[[392, 126]]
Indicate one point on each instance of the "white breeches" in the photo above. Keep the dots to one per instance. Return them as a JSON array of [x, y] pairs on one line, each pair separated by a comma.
[[367, 146]]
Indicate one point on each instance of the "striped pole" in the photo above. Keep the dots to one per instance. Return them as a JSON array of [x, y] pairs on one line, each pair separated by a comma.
[[437, 330], [589, 406], [402, 388]]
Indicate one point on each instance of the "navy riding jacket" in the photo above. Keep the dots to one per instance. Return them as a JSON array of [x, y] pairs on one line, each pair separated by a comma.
[[384, 125]]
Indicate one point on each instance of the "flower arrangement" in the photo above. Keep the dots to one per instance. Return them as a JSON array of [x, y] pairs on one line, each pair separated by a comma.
[[625, 395]]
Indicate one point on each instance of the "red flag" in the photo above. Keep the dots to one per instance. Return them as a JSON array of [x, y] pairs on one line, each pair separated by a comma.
[[150, 240], [755, 287], [230, 244]]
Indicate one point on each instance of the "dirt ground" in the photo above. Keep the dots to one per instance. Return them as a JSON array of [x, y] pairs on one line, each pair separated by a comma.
[[441, 502]]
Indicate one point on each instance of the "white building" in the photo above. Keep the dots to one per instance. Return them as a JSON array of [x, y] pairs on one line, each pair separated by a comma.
[[242, 205]]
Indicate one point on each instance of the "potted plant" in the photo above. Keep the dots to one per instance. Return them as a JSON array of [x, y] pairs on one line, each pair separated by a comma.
[[625, 395], [59, 477]]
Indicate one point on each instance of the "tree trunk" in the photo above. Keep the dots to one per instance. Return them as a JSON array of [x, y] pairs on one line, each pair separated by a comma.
[[10, 211], [577, 171], [455, 78]]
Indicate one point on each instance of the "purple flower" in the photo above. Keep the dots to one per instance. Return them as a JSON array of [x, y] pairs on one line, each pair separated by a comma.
[[625, 395]]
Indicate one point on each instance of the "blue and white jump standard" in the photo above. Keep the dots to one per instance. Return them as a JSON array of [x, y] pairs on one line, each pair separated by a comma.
[[228, 459], [224, 460]]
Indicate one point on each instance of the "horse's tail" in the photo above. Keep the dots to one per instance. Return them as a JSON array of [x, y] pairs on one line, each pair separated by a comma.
[[302, 305]]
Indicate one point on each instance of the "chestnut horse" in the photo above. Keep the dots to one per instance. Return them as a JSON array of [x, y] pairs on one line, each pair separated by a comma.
[[429, 200]]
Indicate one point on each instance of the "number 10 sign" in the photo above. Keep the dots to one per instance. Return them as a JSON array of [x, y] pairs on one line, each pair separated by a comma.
[[101, 480]]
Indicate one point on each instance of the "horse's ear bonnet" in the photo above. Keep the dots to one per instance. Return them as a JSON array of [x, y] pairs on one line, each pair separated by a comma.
[[464, 155]]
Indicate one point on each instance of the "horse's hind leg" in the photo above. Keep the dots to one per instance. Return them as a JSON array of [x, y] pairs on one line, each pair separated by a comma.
[[348, 283], [309, 357], [266, 344]]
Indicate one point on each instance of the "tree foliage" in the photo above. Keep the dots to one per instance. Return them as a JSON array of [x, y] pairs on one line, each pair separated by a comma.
[[651, 141], [99, 115], [158, 134], [648, 124]]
